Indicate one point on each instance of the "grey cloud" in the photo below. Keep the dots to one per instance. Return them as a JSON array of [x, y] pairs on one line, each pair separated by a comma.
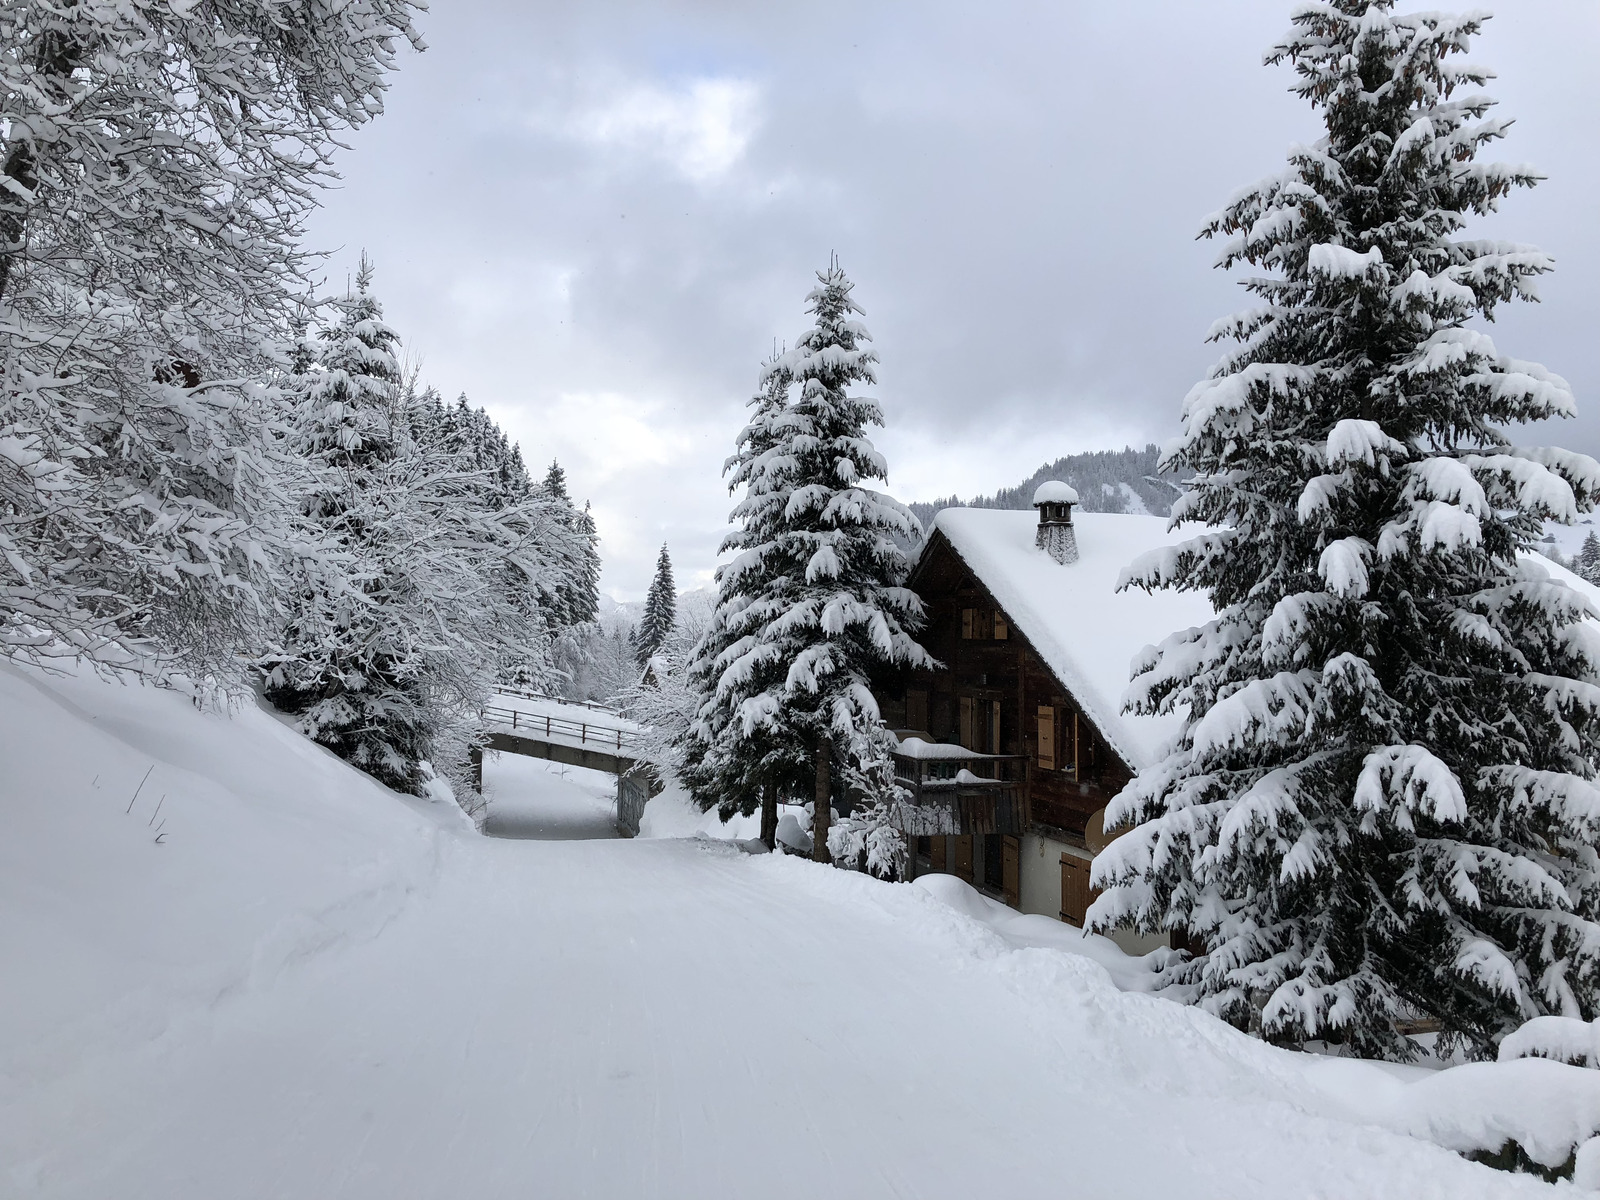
[[1015, 189]]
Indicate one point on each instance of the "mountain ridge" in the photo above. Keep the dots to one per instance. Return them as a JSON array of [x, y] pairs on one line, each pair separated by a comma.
[[1118, 481]]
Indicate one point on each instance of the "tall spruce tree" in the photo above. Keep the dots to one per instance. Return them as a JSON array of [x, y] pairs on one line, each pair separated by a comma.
[[1382, 802], [814, 603], [767, 761], [660, 612]]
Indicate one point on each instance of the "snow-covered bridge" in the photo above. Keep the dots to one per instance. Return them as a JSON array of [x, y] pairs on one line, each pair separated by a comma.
[[564, 731], [581, 735]]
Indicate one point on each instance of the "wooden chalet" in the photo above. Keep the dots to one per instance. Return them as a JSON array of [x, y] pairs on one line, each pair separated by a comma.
[[1012, 750]]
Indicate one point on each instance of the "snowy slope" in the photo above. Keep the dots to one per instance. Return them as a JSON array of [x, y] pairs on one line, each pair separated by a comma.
[[268, 850], [314, 988]]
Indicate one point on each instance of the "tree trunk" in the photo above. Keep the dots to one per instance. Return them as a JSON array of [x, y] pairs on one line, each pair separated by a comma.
[[769, 816], [821, 813], [54, 60], [19, 168]]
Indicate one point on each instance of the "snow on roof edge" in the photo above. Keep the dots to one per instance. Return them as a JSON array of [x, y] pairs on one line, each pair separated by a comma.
[[1046, 602]]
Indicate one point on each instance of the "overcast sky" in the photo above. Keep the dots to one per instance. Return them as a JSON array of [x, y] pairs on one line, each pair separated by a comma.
[[595, 218]]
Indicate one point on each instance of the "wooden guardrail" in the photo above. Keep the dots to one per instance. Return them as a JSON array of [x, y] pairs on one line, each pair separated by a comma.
[[586, 733]]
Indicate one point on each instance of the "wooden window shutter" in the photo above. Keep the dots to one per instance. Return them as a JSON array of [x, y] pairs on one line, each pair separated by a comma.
[[966, 722], [1076, 894], [1047, 737], [967, 615], [994, 727], [1011, 870], [960, 864], [1002, 631], [917, 710]]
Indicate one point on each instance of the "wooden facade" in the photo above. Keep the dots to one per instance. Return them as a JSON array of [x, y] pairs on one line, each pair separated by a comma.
[[996, 695]]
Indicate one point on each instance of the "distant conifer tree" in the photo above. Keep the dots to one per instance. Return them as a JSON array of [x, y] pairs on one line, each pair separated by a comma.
[[660, 611], [555, 481], [1587, 564]]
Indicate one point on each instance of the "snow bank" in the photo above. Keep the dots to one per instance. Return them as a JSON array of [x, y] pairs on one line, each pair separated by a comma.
[[154, 858], [1546, 1107], [1023, 931], [672, 814], [920, 748]]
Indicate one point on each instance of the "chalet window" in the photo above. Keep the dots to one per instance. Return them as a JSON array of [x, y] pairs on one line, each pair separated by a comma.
[[1047, 737], [981, 624]]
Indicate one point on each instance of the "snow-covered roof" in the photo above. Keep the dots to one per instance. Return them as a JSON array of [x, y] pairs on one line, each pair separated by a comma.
[[1087, 633], [1053, 491]]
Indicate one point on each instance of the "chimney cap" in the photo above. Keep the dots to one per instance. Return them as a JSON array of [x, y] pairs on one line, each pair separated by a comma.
[[1053, 491]]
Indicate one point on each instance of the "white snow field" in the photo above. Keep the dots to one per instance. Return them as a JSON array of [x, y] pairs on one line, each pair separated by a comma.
[[285, 981]]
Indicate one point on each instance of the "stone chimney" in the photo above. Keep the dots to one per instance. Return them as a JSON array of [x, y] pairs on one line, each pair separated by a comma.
[[1056, 537]]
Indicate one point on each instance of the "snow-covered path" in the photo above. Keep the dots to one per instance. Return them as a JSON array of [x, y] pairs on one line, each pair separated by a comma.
[[674, 1018], [232, 968], [536, 798]]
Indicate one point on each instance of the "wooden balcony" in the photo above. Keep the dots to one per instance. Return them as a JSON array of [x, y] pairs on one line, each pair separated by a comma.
[[955, 791]]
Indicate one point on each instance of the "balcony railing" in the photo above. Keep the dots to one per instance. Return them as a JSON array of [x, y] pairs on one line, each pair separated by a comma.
[[955, 791]]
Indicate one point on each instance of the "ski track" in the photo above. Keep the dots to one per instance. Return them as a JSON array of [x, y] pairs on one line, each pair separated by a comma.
[[674, 1019]]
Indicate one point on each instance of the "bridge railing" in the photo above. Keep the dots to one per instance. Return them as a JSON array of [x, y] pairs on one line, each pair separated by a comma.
[[528, 694], [586, 733]]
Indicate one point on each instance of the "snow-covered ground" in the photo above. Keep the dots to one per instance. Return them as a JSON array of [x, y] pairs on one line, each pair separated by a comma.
[[264, 976], [1568, 539], [535, 798]]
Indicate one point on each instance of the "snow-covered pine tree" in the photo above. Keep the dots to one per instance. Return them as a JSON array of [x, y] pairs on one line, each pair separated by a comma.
[[660, 611], [158, 161], [581, 600], [343, 663], [1587, 562], [871, 835], [577, 602], [555, 481], [664, 700], [562, 547], [1382, 802], [420, 580], [723, 761], [814, 603]]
